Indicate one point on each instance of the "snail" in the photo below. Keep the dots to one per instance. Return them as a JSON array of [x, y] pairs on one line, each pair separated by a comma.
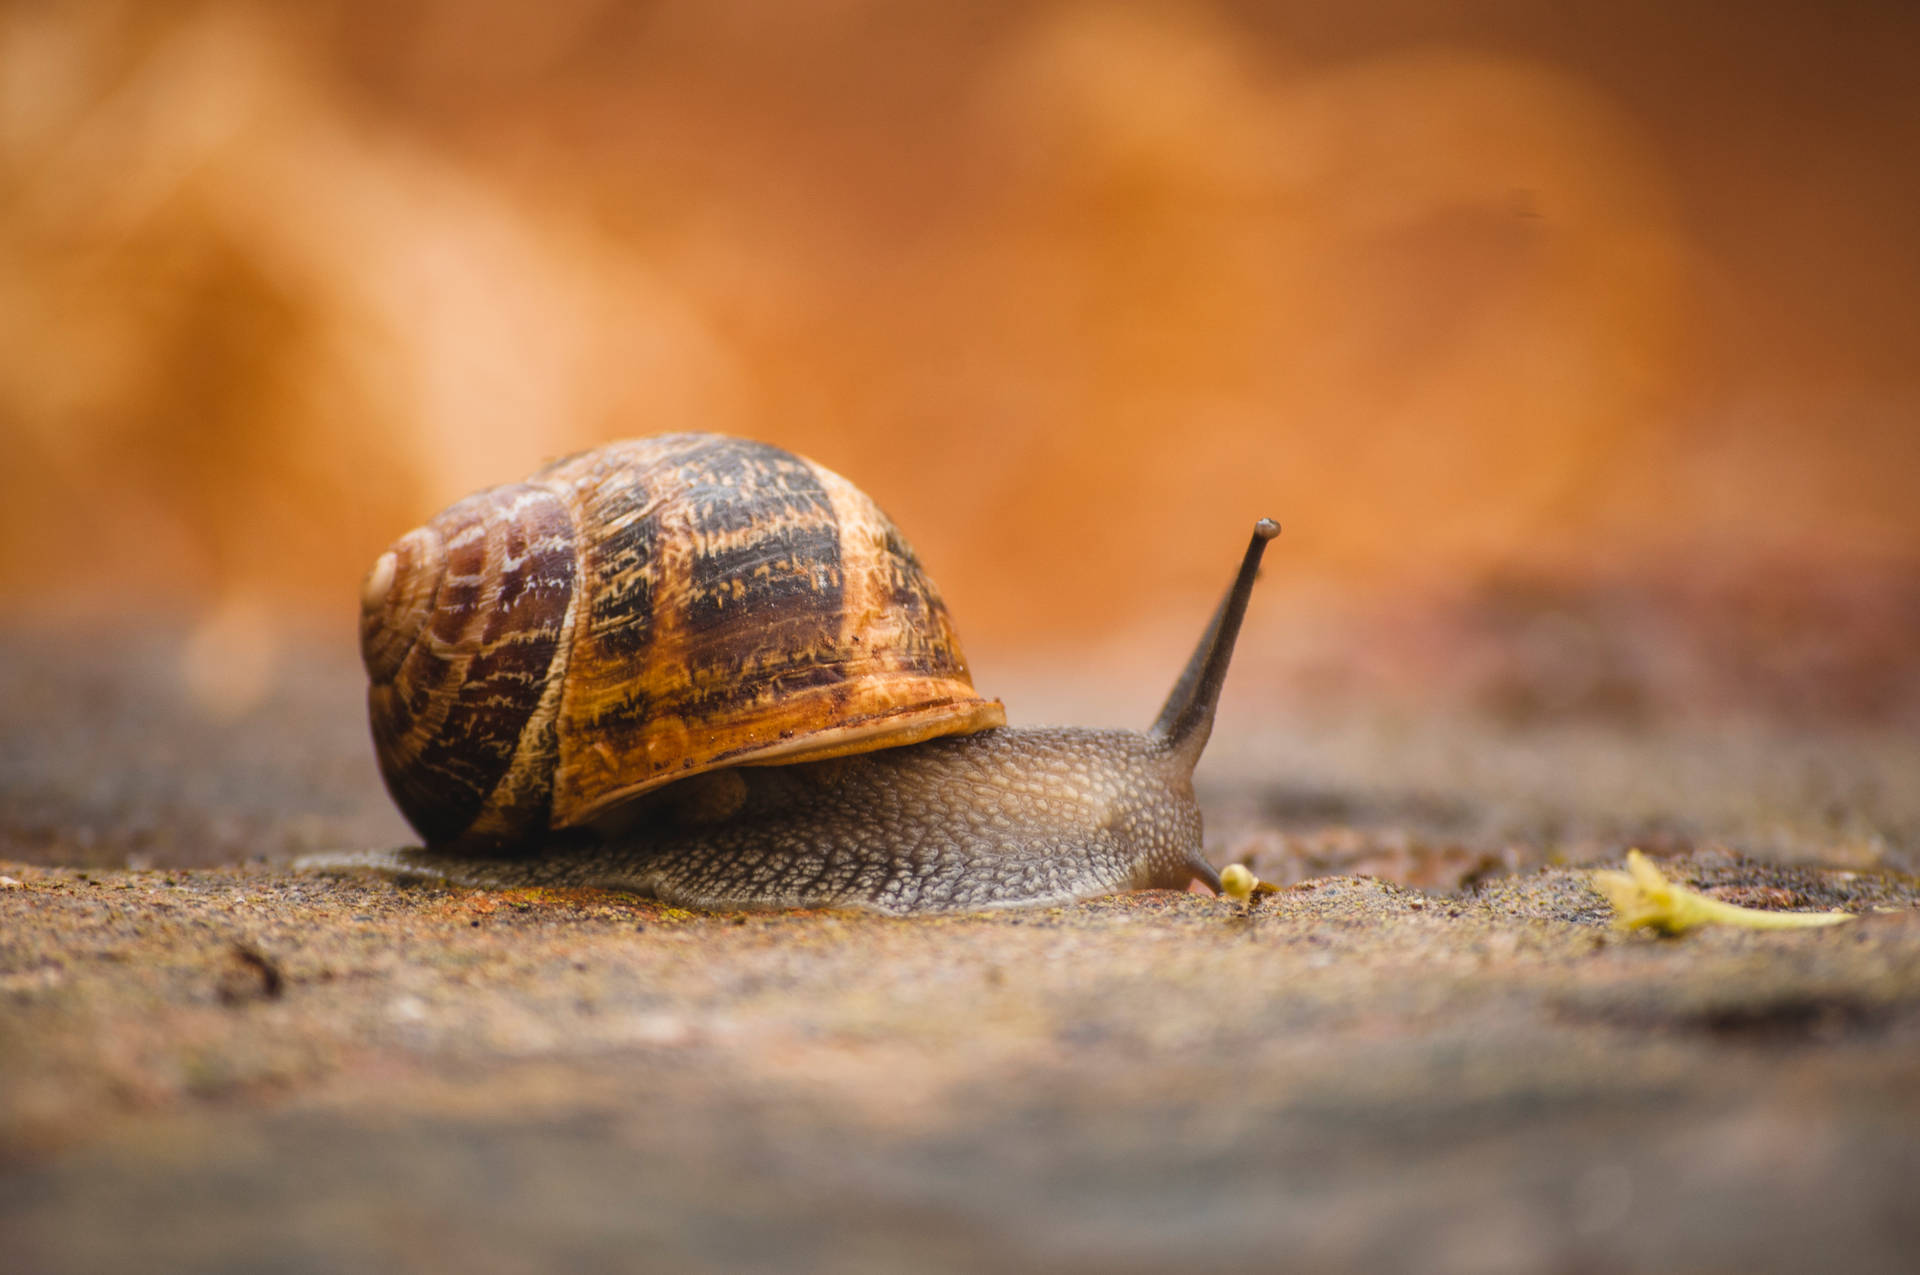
[[711, 671]]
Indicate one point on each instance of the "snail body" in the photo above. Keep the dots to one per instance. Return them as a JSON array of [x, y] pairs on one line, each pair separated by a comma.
[[1010, 817], [710, 671]]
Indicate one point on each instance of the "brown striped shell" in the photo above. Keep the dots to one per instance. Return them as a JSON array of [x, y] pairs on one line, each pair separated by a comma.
[[654, 609]]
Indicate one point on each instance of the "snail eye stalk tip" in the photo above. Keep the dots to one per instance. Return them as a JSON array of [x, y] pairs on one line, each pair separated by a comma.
[[1186, 719]]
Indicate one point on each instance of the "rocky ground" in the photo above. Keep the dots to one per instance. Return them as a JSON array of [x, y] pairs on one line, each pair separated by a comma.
[[1429, 1052]]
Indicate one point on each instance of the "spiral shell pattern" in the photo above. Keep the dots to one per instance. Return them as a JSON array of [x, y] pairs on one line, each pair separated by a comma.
[[543, 651]]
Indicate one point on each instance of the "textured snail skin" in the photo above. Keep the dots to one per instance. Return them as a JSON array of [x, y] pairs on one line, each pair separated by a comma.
[[1010, 817]]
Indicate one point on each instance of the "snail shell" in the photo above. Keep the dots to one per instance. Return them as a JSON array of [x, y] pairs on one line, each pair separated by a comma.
[[544, 651]]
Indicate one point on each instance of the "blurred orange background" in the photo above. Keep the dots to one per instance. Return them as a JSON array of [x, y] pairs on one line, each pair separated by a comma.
[[1482, 300]]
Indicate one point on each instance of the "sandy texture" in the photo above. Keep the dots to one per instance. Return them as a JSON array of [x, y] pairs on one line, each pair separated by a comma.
[[242, 1068]]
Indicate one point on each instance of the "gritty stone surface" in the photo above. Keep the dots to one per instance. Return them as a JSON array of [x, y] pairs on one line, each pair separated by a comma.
[[1460, 1068]]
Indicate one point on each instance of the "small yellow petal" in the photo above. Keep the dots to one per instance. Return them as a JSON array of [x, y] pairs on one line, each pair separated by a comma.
[[1642, 896], [1237, 882]]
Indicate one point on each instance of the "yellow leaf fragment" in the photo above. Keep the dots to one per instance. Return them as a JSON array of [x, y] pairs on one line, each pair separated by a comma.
[[1237, 882], [1642, 896]]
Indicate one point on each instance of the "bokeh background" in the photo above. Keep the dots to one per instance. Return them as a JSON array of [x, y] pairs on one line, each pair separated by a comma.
[[1576, 343], [1577, 346]]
